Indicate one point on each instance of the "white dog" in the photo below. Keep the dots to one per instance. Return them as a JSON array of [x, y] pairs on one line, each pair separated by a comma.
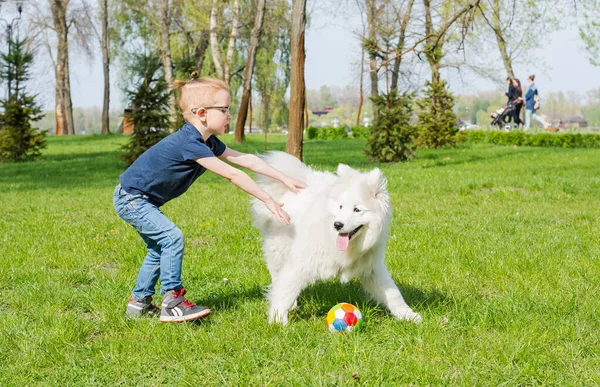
[[339, 229]]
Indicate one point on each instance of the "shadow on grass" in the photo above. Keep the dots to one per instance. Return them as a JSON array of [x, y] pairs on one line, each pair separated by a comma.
[[317, 299], [63, 171], [229, 297]]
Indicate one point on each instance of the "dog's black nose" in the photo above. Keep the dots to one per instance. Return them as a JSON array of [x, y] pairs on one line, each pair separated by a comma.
[[338, 225]]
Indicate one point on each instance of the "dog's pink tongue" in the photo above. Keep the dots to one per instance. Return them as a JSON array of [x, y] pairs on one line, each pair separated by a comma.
[[342, 241]]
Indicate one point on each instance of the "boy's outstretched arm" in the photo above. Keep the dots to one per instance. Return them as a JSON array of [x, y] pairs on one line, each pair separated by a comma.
[[256, 164], [244, 181]]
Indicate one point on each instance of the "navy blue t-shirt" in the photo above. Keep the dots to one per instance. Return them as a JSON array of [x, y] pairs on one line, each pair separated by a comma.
[[168, 169]]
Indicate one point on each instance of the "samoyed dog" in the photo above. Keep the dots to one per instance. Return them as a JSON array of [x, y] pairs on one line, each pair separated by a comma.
[[339, 228]]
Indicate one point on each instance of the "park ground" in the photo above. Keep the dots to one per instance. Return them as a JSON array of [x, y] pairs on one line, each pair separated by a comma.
[[496, 246]]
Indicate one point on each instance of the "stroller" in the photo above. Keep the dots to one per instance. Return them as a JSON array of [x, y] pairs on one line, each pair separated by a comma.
[[502, 118]]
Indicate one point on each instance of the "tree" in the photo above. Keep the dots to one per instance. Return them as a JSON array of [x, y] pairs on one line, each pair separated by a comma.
[[249, 70], [148, 96], [402, 19], [392, 135], [192, 38], [103, 39], [374, 10], [325, 97], [64, 104], [165, 56], [104, 45], [297, 85], [589, 28], [272, 71], [223, 68], [19, 141], [68, 24], [518, 27], [437, 121]]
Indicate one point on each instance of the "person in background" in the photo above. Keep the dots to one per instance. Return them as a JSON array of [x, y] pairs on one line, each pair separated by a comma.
[[532, 104], [515, 95], [510, 89]]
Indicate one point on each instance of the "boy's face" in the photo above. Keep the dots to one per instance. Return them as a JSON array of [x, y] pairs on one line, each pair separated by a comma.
[[217, 115]]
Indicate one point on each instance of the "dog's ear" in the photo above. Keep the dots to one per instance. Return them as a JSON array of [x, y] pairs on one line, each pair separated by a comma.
[[377, 182], [345, 171]]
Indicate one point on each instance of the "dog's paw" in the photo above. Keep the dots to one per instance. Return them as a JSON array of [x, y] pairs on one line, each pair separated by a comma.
[[278, 317], [408, 315]]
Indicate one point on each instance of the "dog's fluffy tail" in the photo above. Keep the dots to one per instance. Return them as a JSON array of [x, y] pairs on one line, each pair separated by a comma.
[[288, 165]]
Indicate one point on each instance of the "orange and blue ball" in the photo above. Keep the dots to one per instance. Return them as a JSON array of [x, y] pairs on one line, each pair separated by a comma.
[[344, 318]]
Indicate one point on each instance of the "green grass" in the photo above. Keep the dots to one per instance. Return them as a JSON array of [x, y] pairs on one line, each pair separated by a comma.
[[497, 248]]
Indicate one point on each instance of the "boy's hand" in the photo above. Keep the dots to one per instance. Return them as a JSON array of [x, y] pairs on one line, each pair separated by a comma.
[[276, 209], [293, 184]]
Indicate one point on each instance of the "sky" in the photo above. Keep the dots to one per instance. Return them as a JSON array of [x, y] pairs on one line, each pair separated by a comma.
[[333, 54]]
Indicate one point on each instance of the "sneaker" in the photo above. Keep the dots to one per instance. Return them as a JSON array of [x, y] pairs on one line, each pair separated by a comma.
[[176, 308], [139, 308]]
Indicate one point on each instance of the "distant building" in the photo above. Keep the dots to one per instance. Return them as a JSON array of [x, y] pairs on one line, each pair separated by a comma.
[[573, 122], [323, 112]]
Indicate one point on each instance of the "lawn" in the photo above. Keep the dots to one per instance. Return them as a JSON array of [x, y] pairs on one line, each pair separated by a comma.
[[497, 247]]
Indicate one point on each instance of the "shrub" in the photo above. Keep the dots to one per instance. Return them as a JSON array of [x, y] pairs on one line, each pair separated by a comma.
[[149, 99], [556, 140], [392, 135], [331, 133], [326, 133], [312, 132], [361, 132], [437, 121], [19, 140]]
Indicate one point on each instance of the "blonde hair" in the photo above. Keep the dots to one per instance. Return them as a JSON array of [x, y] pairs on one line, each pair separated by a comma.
[[198, 92]]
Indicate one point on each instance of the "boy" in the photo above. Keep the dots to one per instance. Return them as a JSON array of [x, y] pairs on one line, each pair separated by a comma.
[[167, 170]]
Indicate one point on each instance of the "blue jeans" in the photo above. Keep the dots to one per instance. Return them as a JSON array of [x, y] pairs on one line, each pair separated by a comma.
[[163, 238], [528, 115]]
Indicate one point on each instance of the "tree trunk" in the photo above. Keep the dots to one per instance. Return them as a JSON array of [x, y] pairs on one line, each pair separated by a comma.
[[433, 49], [105, 64], [214, 41], [250, 115], [235, 27], [201, 47], [59, 112], [266, 103], [501, 42], [67, 91], [165, 56], [361, 98], [400, 46], [223, 68], [64, 106], [297, 86], [249, 70], [372, 36]]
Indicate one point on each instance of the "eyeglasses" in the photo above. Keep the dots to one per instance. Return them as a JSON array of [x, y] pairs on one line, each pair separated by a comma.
[[223, 109]]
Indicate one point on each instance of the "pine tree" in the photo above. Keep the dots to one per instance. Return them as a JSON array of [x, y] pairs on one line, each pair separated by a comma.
[[19, 140], [392, 135], [149, 100], [437, 121]]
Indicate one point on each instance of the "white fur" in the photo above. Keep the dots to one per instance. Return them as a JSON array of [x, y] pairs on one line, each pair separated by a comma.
[[305, 251]]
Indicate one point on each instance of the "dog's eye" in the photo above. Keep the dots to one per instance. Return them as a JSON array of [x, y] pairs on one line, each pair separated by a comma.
[[340, 206], [356, 209]]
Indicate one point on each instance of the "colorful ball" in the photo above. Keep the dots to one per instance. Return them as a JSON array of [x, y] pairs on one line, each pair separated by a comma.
[[344, 318]]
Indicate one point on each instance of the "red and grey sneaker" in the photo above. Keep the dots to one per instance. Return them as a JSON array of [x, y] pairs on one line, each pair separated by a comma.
[[176, 308], [137, 308]]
